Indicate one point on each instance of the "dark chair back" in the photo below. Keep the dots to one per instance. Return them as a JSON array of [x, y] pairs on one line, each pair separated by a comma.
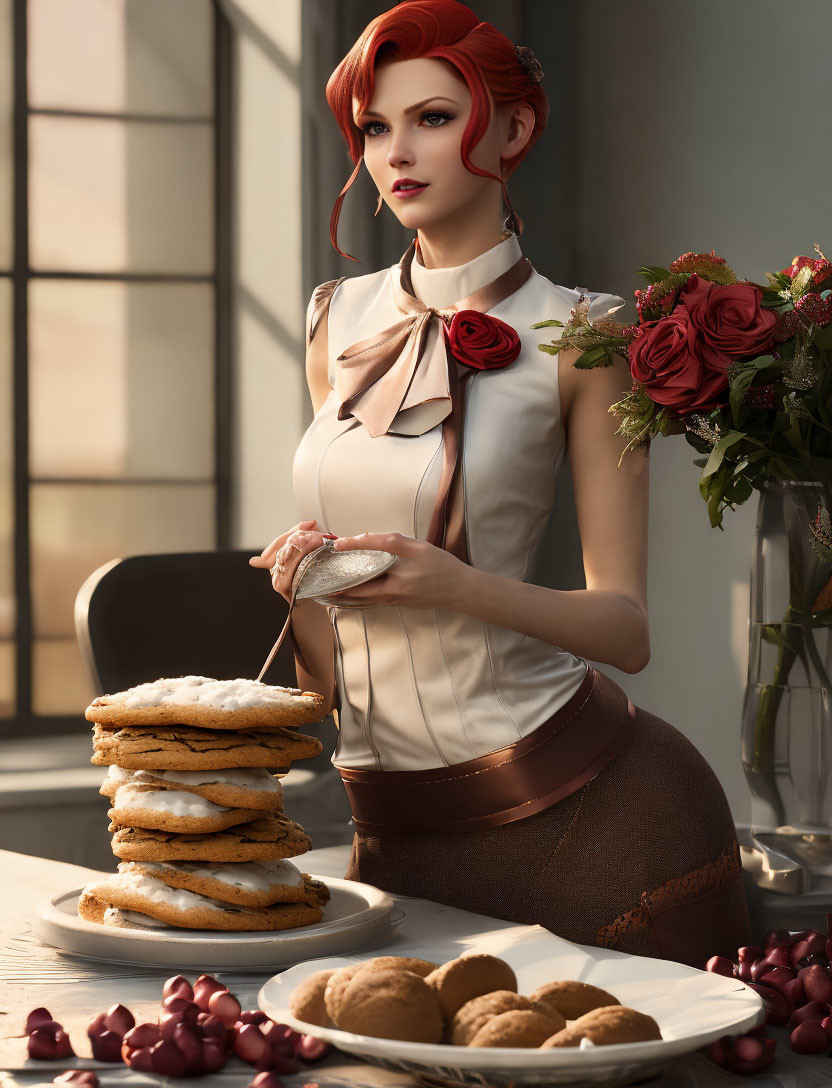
[[202, 613]]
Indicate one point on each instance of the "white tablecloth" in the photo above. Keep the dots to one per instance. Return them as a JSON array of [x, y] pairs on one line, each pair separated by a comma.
[[74, 989]]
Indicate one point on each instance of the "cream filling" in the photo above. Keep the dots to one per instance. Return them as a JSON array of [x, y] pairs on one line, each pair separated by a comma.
[[167, 802], [253, 778], [156, 891], [253, 876], [115, 913]]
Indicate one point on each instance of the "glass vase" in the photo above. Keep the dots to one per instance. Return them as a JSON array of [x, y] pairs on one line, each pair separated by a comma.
[[787, 710]]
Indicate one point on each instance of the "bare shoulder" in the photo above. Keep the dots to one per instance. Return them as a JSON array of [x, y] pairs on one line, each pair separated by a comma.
[[599, 386]]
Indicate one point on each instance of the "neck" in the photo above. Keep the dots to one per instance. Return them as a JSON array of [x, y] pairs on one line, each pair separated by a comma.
[[462, 237]]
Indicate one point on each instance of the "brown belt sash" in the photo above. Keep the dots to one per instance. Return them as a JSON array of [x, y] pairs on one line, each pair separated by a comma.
[[538, 770]]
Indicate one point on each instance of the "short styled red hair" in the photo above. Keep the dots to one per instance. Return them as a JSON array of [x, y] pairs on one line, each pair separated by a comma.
[[445, 29]]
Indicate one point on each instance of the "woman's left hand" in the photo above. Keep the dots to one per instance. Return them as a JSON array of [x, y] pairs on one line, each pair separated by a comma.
[[423, 576]]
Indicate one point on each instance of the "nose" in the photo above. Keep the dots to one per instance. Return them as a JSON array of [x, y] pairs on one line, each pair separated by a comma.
[[399, 152]]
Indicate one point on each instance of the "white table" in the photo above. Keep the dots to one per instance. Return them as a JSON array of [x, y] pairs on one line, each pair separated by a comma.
[[33, 975]]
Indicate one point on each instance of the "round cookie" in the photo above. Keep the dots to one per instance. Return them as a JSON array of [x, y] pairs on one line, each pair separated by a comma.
[[235, 787], [422, 968], [185, 909], [307, 1000], [475, 1013], [344, 975], [174, 810], [336, 987], [457, 981], [189, 749], [203, 702], [519, 1027], [573, 999], [248, 884], [391, 1004], [606, 1026], [270, 837]]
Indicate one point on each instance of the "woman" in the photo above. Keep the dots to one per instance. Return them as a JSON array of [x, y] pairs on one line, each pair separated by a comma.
[[488, 765]]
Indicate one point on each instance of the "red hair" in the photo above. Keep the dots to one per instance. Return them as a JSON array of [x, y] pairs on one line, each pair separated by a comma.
[[447, 30]]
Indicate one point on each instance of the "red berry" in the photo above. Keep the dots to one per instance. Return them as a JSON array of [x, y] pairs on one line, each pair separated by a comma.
[[85, 1078], [36, 1018], [309, 1049], [809, 1038], [719, 965], [106, 1047], [178, 986]]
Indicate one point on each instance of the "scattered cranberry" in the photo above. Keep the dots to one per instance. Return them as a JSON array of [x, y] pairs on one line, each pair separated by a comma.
[[253, 1016], [36, 1018], [266, 1080], [719, 965], [309, 1049], [777, 977], [810, 1037], [224, 1005], [251, 1044], [778, 1006], [85, 1078], [49, 1042], [106, 1047], [812, 1010], [747, 1054], [817, 982], [204, 987], [178, 986]]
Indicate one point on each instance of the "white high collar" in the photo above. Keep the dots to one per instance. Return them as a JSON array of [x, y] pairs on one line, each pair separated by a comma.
[[440, 287]]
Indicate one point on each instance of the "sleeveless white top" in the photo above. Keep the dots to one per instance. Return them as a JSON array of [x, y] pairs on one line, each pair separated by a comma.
[[422, 688]]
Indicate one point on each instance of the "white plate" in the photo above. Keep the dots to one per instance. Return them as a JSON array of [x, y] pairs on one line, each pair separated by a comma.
[[356, 917], [692, 1009]]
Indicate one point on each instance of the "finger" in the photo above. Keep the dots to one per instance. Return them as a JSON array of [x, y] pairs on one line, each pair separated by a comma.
[[396, 543], [266, 557], [297, 545]]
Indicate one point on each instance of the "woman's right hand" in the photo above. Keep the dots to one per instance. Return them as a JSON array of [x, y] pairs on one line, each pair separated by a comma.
[[285, 552]]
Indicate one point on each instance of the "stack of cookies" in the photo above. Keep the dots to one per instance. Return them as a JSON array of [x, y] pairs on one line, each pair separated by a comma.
[[194, 769]]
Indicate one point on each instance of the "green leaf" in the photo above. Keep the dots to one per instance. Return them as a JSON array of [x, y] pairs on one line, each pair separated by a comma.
[[548, 324], [550, 349], [718, 452], [587, 359], [822, 618], [653, 272]]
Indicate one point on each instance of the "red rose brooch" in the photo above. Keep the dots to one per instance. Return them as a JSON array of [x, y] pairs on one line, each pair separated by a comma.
[[482, 342]]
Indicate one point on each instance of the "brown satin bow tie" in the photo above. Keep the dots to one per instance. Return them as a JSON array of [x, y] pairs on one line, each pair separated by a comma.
[[407, 366]]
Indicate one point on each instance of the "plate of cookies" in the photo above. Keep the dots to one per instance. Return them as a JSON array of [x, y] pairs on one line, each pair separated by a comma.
[[482, 1019], [206, 854]]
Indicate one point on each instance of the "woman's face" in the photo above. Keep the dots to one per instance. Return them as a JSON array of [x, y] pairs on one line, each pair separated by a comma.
[[412, 135]]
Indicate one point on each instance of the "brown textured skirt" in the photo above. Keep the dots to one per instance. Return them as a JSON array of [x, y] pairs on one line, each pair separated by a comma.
[[642, 858]]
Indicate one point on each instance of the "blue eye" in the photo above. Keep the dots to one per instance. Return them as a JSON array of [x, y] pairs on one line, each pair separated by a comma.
[[366, 129]]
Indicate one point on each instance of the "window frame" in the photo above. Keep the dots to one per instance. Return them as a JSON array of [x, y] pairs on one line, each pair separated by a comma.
[[24, 721]]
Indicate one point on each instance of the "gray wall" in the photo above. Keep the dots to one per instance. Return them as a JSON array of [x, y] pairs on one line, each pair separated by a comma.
[[674, 127]]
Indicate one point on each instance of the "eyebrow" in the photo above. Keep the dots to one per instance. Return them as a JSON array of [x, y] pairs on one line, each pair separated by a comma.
[[415, 107]]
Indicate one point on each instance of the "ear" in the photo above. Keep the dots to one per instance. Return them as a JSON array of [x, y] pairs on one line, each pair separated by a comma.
[[518, 131]]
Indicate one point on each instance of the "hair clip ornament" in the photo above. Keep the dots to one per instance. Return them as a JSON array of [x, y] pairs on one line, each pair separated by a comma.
[[529, 63]]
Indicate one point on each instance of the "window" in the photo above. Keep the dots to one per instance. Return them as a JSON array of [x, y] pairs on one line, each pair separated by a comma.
[[114, 315]]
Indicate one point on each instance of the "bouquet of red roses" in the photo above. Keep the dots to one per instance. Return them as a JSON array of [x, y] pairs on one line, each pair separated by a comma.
[[743, 370]]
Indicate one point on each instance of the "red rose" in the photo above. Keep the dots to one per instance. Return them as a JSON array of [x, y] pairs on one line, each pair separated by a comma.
[[482, 342], [731, 322], [666, 358]]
